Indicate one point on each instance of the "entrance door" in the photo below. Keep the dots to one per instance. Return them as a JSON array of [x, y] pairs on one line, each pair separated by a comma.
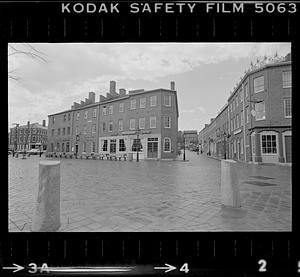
[[152, 148], [288, 149], [76, 148]]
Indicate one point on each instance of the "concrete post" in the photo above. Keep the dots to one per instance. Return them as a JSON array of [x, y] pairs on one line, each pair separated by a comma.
[[47, 213], [230, 192]]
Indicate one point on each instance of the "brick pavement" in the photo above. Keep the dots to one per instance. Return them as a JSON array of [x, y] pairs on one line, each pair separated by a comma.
[[105, 196]]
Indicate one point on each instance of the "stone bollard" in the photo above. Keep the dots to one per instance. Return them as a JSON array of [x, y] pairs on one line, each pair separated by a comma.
[[47, 212], [230, 191]]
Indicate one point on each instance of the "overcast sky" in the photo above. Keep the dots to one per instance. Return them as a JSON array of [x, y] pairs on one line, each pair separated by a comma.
[[204, 75]]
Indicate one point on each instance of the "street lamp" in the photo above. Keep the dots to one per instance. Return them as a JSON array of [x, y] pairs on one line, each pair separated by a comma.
[[183, 147], [16, 138], [138, 144], [225, 135]]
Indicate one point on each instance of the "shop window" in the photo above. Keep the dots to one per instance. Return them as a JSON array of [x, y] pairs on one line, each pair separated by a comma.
[[269, 144], [122, 146]]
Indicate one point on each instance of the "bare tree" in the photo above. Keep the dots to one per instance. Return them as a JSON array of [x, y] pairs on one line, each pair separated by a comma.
[[28, 50]]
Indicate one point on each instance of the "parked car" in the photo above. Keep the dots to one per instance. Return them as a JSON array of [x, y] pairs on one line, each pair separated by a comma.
[[33, 152]]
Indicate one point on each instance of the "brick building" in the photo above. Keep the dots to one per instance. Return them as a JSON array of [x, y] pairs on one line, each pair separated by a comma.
[[259, 114], [120, 123], [190, 137], [27, 137]]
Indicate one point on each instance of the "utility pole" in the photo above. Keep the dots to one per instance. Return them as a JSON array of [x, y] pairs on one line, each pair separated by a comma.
[[183, 147], [138, 144]]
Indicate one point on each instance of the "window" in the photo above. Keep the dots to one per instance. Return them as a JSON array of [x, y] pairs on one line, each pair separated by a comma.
[[85, 114], [132, 124], [153, 122], [167, 145], [110, 126], [246, 88], [113, 146], [142, 123], [259, 84], [67, 147], [69, 117], [62, 147], [58, 131], [137, 145], [247, 114], [237, 121], [104, 110], [94, 128], [65, 117], [153, 100], [241, 96], [143, 103], [167, 122], [68, 131], [111, 109], [84, 147], [52, 147], [120, 124], [94, 112], [103, 127], [77, 116], [234, 146], [122, 146], [52, 132], [93, 147], [121, 107], [76, 131], [53, 120], [268, 144], [57, 147], [133, 104], [260, 111], [167, 100], [288, 107], [242, 118], [84, 130], [64, 132], [237, 100], [104, 145], [286, 79]]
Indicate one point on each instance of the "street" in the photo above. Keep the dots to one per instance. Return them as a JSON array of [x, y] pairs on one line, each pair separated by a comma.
[[107, 196]]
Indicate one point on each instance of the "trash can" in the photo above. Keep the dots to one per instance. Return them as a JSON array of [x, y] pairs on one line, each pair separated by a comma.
[[130, 157]]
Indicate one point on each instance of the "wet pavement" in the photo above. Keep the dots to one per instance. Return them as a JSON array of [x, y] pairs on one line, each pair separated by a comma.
[[149, 196]]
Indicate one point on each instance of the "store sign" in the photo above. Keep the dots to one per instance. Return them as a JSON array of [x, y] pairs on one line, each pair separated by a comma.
[[237, 131]]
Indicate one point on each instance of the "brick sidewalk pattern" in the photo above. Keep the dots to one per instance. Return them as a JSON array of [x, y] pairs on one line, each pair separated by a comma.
[[149, 196]]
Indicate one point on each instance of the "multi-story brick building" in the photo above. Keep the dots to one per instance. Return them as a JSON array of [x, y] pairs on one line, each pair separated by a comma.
[[259, 114], [27, 137], [190, 137], [120, 123]]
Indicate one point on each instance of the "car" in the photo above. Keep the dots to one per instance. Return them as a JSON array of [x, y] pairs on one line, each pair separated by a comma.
[[33, 152]]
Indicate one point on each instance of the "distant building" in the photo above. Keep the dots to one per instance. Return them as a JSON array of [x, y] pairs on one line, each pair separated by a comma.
[[258, 114], [190, 137], [27, 137], [120, 123]]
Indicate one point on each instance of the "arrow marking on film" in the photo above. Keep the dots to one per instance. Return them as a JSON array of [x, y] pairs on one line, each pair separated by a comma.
[[167, 267], [16, 267]]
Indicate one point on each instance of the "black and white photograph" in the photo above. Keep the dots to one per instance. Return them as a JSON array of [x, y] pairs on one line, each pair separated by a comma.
[[150, 137]]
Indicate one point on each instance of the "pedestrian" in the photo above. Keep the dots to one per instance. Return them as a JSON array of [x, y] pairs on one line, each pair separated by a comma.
[[40, 153], [13, 152]]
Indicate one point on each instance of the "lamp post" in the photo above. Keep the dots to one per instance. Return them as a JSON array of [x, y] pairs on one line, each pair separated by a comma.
[[138, 144], [184, 147], [225, 135], [16, 138]]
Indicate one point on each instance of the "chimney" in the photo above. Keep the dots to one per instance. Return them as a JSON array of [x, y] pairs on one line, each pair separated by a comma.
[[112, 87], [122, 91], [86, 101], [211, 120], [92, 97], [102, 98], [172, 85], [44, 123], [76, 105]]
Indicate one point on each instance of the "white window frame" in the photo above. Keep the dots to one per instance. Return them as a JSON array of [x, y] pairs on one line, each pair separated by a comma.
[[120, 125], [284, 83], [110, 109], [77, 115], [284, 107], [110, 123], [153, 101], [94, 112], [143, 102], [169, 100], [255, 87], [133, 104], [264, 116], [246, 88], [104, 110], [85, 114], [169, 121], [121, 107], [269, 133], [142, 122], [132, 124], [152, 126], [170, 146], [242, 118]]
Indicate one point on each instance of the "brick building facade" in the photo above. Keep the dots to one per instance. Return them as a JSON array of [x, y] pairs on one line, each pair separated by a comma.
[[259, 110], [120, 123]]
